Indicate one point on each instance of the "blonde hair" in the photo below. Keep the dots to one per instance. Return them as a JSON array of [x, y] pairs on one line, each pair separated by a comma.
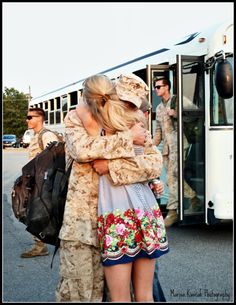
[[108, 110]]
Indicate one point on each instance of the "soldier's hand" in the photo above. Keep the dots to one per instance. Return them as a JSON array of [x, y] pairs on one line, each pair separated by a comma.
[[171, 112]]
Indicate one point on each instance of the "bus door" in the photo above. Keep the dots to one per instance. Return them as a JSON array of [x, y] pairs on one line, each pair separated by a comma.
[[187, 83], [158, 71], [191, 138]]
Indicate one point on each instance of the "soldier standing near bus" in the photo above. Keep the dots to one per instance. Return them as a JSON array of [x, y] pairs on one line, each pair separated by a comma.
[[166, 130], [35, 120]]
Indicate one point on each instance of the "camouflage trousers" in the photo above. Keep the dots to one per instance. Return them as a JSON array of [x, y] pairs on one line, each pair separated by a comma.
[[171, 165], [81, 273]]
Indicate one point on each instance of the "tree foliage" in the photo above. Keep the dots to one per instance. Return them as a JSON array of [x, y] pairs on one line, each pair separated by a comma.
[[15, 106]]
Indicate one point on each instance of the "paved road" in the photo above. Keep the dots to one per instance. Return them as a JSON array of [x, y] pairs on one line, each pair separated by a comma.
[[198, 268]]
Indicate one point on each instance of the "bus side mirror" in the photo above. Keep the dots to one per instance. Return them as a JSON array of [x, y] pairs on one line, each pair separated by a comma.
[[224, 79]]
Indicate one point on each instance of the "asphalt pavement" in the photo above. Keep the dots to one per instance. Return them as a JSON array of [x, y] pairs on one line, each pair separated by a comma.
[[198, 268]]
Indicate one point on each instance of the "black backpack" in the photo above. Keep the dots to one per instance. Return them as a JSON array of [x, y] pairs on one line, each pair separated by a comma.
[[39, 194]]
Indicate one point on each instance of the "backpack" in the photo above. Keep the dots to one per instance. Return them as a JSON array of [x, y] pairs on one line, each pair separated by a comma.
[[39, 194], [40, 137]]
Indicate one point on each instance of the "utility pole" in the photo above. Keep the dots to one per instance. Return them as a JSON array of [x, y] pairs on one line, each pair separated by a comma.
[[29, 96]]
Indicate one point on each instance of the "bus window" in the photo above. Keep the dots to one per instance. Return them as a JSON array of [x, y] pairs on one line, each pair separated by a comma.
[[46, 112], [73, 99], [46, 116], [193, 92], [58, 110], [64, 106], [52, 111]]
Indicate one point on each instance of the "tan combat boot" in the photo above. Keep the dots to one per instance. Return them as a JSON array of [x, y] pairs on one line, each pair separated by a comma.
[[38, 249], [171, 218], [195, 205]]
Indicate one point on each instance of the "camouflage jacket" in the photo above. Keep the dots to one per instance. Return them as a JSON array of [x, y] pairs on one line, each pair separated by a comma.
[[166, 129], [80, 216]]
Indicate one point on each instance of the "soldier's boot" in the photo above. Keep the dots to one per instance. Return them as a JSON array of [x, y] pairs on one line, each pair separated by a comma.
[[171, 218], [38, 249], [195, 205]]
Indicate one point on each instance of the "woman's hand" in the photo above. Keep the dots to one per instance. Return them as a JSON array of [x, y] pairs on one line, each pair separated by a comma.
[[139, 134], [157, 187], [100, 167]]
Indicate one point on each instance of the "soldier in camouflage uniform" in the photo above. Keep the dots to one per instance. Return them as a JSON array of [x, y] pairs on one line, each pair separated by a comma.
[[81, 271], [166, 130], [35, 121]]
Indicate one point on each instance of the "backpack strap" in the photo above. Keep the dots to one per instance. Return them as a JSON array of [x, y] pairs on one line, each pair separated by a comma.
[[173, 105], [40, 138], [173, 102], [57, 246]]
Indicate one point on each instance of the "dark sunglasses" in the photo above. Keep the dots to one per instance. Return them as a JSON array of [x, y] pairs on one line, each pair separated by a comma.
[[159, 86], [30, 117]]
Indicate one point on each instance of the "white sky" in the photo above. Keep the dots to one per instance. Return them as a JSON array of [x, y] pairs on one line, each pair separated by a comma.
[[50, 45]]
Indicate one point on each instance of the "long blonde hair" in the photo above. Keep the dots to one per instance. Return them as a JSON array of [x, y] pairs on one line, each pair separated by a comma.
[[108, 110]]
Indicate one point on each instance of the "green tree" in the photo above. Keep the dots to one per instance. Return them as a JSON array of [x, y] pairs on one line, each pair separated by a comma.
[[15, 106]]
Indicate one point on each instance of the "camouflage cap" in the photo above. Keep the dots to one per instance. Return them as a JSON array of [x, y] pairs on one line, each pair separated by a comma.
[[131, 88]]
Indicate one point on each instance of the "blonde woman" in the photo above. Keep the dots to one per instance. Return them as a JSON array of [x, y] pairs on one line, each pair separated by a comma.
[[131, 229], [81, 271]]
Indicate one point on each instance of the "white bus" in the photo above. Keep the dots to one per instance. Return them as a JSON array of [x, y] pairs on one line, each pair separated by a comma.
[[200, 68]]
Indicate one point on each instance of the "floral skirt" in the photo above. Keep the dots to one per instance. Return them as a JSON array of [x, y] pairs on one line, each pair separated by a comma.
[[130, 223]]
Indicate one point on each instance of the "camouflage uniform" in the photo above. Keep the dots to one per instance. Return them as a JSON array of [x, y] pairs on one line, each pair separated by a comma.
[[166, 130], [79, 229]]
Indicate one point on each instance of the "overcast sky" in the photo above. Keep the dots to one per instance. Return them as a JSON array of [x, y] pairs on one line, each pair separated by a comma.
[[50, 45]]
